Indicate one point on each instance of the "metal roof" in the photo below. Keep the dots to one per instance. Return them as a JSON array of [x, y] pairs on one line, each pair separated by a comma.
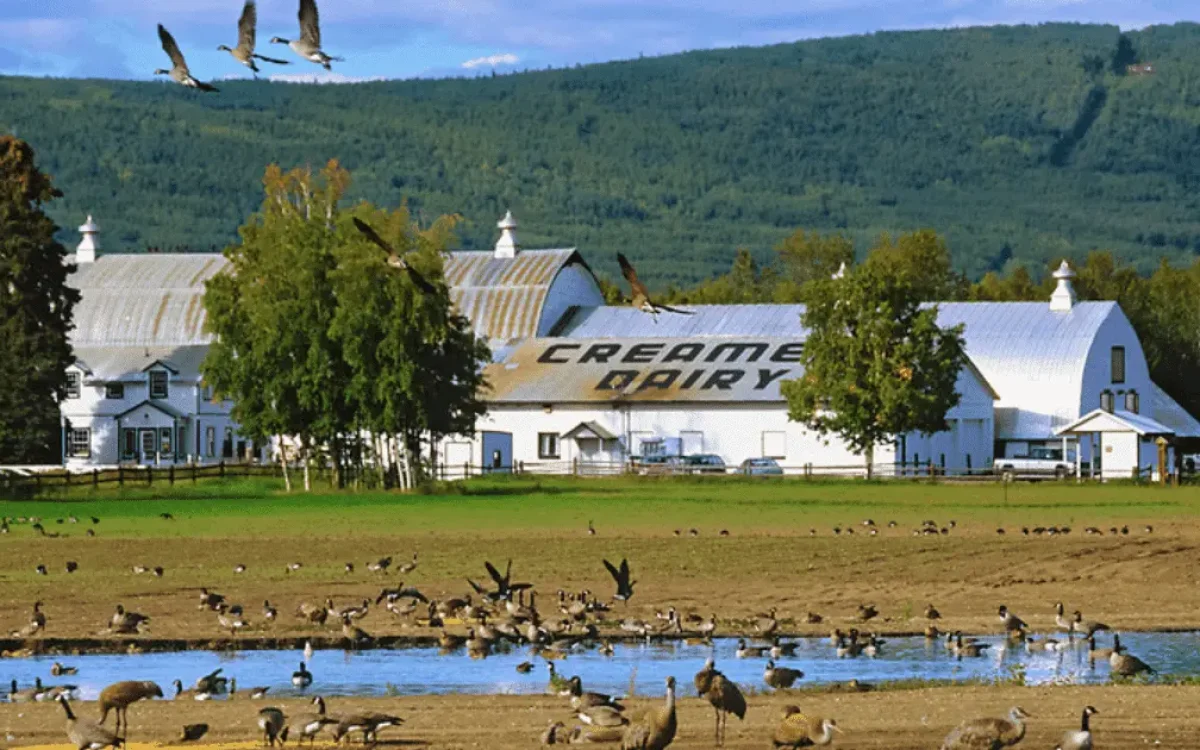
[[1100, 420], [1167, 411], [503, 297], [1032, 356], [158, 299], [110, 364], [143, 300]]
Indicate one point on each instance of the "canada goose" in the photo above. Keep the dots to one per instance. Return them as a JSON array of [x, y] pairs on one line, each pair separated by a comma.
[[1126, 665], [505, 588], [931, 612], [932, 633], [191, 694], [272, 722], [118, 696], [604, 715], [1081, 739], [27, 695], [408, 567], [192, 732], [1010, 621], [964, 649], [308, 45], [477, 647], [812, 618], [36, 624], [308, 726], [779, 649], [1062, 622], [553, 734], [348, 567], [312, 612], [1094, 653], [1084, 627], [449, 641], [640, 300], [873, 647], [85, 734], [210, 600], [126, 622], [269, 612], [849, 647], [254, 693], [780, 677], [766, 623], [591, 529], [293, 567], [71, 566], [583, 699], [356, 611], [748, 652], [725, 698], [180, 74], [367, 723], [525, 667], [230, 618], [212, 682], [867, 612], [653, 729], [382, 564], [988, 734], [606, 648], [621, 577], [41, 570], [797, 730], [302, 678], [58, 670], [244, 51], [308, 651]]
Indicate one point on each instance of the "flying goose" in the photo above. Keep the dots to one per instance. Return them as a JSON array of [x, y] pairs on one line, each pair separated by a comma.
[[642, 301], [244, 51], [179, 72], [85, 734], [797, 730], [621, 577], [424, 285], [308, 45], [1081, 739], [993, 734]]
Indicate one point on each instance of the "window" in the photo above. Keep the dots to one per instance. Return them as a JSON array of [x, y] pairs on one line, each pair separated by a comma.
[[227, 444], [1118, 364], [206, 393], [129, 444], [1132, 402], [158, 384], [114, 390], [79, 443], [1106, 401], [548, 445], [210, 442], [74, 384], [164, 441]]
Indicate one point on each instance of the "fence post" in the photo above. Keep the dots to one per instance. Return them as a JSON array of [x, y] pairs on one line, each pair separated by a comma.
[[171, 475], [466, 470], [67, 477], [95, 477], [193, 472], [120, 475], [222, 469], [149, 475], [575, 466]]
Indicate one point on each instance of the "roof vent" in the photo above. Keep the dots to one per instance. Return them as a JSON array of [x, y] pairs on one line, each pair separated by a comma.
[[89, 247], [506, 246], [1063, 298]]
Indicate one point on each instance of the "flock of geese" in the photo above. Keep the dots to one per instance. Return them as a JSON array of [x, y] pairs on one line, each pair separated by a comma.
[[307, 46]]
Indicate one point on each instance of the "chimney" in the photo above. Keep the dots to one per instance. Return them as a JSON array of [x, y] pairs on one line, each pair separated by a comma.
[[89, 247], [506, 246], [1063, 298]]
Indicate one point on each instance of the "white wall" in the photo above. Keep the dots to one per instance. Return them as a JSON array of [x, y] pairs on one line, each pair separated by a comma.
[[573, 285]]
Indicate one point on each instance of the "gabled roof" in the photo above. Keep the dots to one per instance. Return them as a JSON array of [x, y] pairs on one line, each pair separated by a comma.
[[1100, 420], [587, 430], [162, 406], [111, 364]]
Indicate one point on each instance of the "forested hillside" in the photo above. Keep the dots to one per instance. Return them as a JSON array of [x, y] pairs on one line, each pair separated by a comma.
[[1023, 143]]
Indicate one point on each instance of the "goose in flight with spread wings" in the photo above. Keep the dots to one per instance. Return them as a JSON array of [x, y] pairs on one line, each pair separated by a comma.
[[641, 296], [179, 72], [394, 260], [244, 51], [308, 45]]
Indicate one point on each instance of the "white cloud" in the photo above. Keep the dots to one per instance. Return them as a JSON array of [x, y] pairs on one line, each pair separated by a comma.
[[492, 61]]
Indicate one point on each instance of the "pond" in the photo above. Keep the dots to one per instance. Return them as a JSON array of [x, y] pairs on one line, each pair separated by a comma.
[[427, 671]]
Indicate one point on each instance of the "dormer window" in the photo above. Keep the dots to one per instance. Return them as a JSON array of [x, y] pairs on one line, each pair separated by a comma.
[[158, 384], [1132, 402], [114, 390], [74, 384]]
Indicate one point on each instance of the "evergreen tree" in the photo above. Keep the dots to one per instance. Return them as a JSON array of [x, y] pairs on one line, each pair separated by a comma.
[[35, 311], [876, 364]]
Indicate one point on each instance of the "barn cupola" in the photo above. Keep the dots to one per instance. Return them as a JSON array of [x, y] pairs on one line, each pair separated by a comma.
[[1063, 298], [507, 246], [89, 247]]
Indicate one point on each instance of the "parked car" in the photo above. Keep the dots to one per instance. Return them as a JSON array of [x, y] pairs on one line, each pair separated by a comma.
[[705, 463], [761, 467], [659, 465], [1041, 462]]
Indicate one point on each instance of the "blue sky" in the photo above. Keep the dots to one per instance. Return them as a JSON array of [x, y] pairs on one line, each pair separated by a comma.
[[412, 38]]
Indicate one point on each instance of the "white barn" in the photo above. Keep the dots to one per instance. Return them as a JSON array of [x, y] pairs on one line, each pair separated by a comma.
[[578, 383]]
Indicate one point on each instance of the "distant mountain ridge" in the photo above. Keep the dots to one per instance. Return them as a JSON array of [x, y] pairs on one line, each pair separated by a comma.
[[1020, 144]]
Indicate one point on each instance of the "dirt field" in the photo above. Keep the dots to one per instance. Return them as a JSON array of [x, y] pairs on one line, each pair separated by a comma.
[[1130, 717]]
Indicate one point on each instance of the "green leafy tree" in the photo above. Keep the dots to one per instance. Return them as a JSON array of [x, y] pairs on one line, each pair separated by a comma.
[[804, 257], [876, 364], [921, 261], [35, 311]]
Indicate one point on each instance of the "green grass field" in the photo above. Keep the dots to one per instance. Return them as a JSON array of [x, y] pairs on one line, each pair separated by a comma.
[[235, 508]]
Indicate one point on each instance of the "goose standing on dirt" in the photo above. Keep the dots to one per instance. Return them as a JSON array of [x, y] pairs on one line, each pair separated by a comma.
[[1080, 739], [308, 45], [126, 622], [179, 72], [308, 726], [244, 51], [85, 734], [653, 729], [797, 730], [272, 722], [766, 623], [36, 624], [988, 734]]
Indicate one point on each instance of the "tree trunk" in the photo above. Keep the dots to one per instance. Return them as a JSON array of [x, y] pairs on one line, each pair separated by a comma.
[[870, 454], [307, 457], [283, 464]]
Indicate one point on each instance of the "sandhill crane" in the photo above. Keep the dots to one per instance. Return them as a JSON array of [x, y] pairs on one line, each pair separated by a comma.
[[118, 696]]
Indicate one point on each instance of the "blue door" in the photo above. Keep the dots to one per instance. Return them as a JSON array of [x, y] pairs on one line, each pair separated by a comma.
[[497, 452]]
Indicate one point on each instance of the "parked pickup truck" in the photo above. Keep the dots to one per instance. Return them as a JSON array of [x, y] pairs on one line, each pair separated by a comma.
[[1041, 462]]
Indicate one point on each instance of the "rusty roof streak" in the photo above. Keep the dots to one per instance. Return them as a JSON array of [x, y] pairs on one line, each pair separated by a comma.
[[162, 309]]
